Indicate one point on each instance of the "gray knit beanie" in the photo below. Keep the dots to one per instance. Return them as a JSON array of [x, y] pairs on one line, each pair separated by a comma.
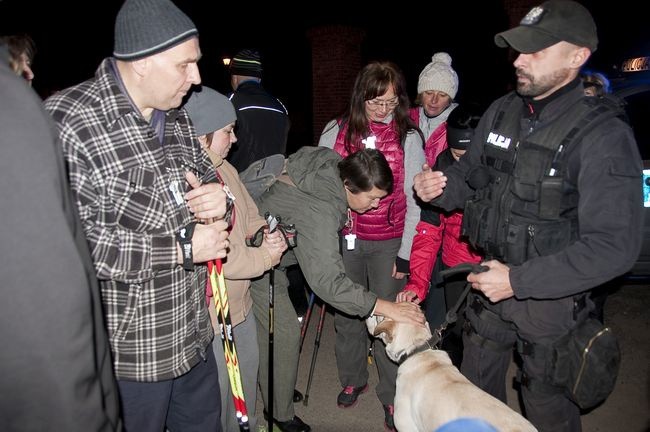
[[438, 75], [147, 27], [209, 110]]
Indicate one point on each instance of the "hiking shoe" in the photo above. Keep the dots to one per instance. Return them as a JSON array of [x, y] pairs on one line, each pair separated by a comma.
[[293, 425], [389, 424], [349, 395]]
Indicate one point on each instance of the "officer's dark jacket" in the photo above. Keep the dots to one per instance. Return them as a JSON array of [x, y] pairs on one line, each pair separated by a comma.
[[592, 230], [262, 125]]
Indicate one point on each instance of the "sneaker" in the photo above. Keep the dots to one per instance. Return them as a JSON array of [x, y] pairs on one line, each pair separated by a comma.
[[349, 395], [389, 424]]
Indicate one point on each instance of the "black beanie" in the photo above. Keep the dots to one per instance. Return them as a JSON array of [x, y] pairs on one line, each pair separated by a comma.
[[147, 27], [461, 124], [247, 63]]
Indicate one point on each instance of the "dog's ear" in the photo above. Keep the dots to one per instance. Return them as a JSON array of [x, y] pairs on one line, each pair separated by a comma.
[[386, 327]]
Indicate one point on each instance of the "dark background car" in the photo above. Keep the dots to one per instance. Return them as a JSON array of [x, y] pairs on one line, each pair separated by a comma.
[[631, 82]]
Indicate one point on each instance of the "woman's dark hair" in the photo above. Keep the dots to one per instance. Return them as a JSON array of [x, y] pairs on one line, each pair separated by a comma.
[[373, 81], [365, 169], [17, 45]]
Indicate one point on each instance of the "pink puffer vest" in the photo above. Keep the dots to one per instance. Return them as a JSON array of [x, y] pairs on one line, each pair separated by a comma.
[[386, 221], [436, 143]]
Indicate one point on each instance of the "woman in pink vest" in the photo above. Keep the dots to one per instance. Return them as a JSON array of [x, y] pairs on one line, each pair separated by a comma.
[[376, 245]]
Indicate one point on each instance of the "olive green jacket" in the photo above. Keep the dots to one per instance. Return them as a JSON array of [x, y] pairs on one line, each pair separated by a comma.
[[316, 204]]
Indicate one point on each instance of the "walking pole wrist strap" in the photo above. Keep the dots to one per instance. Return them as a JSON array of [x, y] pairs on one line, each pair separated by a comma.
[[184, 239]]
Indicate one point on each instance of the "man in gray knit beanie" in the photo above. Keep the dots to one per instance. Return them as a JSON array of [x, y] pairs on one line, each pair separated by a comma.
[[147, 27], [136, 164]]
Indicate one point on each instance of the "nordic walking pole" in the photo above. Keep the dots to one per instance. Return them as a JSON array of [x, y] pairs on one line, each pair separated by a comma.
[[305, 321], [270, 379], [219, 294], [319, 331]]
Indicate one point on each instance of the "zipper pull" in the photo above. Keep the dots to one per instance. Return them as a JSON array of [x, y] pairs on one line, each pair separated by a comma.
[[531, 231]]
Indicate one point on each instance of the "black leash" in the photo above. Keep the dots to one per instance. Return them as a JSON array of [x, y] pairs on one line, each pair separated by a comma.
[[452, 314]]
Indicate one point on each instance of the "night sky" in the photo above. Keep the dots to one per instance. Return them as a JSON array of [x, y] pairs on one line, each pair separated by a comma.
[[408, 36]]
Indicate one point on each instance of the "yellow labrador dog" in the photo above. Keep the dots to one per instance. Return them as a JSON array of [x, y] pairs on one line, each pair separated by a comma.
[[431, 391]]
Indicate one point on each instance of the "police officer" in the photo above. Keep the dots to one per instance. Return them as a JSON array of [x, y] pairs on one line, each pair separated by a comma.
[[553, 185]]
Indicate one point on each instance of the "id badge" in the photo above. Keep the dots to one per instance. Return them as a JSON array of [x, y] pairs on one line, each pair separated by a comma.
[[350, 240]]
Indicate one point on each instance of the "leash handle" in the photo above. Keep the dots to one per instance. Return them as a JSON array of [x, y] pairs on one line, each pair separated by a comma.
[[464, 268], [452, 314]]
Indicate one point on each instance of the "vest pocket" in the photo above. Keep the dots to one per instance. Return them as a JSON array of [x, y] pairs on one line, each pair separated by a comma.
[[517, 236], [549, 237], [477, 220], [529, 171]]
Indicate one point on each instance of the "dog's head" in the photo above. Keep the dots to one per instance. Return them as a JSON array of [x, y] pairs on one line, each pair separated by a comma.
[[400, 338]]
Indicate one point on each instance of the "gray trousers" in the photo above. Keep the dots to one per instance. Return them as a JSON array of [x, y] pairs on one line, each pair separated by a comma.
[[369, 264], [245, 335], [537, 321], [286, 341]]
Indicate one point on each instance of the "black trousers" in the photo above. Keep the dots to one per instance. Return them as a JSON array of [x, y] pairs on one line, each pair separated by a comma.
[[537, 321], [191, 402]]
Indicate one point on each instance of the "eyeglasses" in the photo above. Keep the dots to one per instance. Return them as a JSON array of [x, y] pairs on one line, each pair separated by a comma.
[[374, 104]]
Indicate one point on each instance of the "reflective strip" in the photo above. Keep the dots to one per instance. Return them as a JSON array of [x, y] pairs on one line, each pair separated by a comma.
[[261, 108], [283, 107]]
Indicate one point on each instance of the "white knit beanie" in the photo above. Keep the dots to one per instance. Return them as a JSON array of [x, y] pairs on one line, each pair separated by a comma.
[[438, 75]]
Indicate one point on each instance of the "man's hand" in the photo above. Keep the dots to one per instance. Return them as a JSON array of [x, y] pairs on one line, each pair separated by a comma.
[[275, 244], [405, 312], [429, 184], [208, 201], [208, 242], [494, 283]]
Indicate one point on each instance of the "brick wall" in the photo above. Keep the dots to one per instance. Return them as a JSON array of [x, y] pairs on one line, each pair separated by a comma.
[[336, 60]]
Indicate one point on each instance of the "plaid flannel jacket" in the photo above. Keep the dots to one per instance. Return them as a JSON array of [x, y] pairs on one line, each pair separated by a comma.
[[121, 178]]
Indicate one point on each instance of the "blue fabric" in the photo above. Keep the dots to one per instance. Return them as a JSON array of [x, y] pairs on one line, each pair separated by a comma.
[[466, 424]]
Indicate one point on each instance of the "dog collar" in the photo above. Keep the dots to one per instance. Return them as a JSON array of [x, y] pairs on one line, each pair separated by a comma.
[[430, 344]]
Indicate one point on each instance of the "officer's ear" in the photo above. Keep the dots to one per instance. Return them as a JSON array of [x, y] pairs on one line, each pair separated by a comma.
[[579, 57]]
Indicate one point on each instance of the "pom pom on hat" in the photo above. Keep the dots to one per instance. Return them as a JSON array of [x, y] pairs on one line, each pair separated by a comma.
[[438, 75], [147, 27], [209, 110]]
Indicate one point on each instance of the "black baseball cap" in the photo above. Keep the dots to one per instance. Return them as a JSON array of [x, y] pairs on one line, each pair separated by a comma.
[[551, 22]]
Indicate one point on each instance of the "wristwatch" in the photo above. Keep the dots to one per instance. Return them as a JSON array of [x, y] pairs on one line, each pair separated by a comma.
[[184, 239]]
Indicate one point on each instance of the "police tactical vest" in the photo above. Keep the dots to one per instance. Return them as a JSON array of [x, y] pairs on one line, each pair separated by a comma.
[[528, 209]]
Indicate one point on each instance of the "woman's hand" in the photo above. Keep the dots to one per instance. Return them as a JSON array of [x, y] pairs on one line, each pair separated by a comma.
[[405, 312], [275, 244], [408, 296]]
